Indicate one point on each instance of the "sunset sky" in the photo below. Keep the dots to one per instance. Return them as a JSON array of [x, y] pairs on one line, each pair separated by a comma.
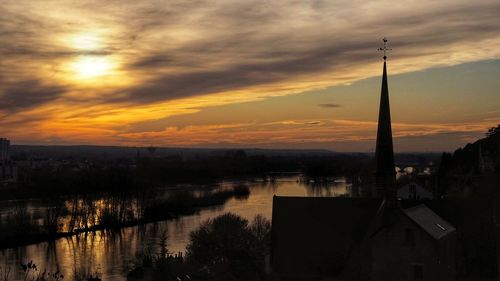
[[268, 74]]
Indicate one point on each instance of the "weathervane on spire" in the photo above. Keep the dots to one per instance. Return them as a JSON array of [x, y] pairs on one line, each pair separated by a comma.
[[385, 49]]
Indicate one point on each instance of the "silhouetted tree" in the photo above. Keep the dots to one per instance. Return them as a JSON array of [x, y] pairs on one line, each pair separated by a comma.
[[228, 248], [493, 131]]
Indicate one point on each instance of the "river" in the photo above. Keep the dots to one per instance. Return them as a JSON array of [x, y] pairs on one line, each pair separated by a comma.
[[113, 254]]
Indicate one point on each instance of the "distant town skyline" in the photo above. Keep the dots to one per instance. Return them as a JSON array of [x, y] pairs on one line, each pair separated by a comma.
[[248, 75]]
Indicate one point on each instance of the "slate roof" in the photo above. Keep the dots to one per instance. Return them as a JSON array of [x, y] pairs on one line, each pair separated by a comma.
[[429, 221], [315, 235]]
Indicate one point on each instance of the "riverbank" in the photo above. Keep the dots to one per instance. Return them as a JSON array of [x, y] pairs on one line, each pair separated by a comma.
[[109, 252], [19, 232]]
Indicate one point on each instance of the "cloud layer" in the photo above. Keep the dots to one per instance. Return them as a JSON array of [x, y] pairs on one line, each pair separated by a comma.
[[171, 58]]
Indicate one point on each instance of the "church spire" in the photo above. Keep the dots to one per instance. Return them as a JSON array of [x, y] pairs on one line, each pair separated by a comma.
[[385, 175]]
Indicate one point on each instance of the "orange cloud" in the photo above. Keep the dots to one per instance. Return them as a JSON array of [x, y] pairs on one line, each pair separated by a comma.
[[302, 131]]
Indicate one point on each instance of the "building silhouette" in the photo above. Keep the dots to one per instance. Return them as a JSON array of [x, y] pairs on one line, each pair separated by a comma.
[[4, 150], [8, 171], [385, 175], [382, 237]]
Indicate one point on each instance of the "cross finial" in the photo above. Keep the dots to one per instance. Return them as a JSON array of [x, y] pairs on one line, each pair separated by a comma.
[[385, 49]]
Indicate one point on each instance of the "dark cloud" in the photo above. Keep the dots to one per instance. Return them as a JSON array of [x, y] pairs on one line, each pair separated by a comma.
[[191, 84], [329, 105], [28, 94], [258, 57], [234, 77], [152, 62], [48, 54], [227, 46]]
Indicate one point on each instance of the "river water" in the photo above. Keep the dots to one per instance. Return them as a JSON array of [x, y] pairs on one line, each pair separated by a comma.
[[113, 254]]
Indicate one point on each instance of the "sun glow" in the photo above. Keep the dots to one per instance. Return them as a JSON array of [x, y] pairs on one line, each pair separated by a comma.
[[87, 67], [91, 63]]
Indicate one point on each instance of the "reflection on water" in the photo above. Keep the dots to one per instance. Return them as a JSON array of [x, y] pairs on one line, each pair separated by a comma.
[[113, 253]]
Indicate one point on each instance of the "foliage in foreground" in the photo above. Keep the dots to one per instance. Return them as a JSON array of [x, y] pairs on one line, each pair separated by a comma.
[[227, 247], [34, 273]]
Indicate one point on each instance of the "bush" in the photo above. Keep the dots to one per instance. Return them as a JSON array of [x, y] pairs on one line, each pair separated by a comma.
[[229, 248]]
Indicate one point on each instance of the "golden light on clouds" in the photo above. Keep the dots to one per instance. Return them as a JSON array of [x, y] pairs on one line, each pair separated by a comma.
[[104, 73], [293, 132], [86, 41]]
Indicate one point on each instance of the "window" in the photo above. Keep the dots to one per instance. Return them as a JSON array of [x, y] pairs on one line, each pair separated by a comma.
[[409, 236], [418, 271]]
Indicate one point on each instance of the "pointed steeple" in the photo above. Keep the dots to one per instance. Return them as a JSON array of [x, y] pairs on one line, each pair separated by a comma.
[[385, 175]]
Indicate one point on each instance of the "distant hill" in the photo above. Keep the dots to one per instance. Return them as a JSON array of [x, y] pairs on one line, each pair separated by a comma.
[[115, 152], [474, 170]]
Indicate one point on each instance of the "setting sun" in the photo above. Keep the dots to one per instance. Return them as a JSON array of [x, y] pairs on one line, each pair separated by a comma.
[[92, 63], [92, 66]]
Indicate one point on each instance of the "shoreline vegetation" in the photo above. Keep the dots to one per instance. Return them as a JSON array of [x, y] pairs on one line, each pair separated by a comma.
[[83, 214], [227, 247]]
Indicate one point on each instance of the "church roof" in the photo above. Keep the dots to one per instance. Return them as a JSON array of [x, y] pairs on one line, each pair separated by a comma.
[[315, 235], [429, 221], [420, 192]]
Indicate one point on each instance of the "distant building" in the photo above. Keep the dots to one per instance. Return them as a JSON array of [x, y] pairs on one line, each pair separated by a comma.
[[8, 170], [414, 191], [4, 150]]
